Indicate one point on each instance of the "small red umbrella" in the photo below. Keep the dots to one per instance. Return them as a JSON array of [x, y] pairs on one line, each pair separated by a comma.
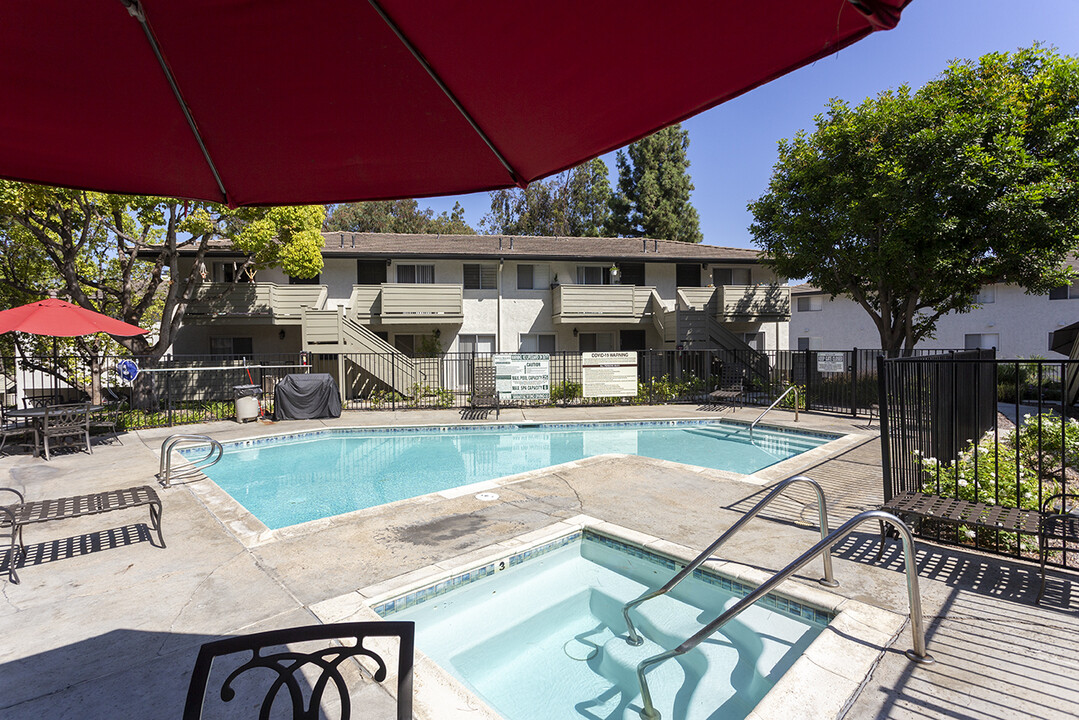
[[58, 318], [289, 102]]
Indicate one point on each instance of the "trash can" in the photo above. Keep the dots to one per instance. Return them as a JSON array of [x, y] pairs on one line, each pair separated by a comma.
[[247, 402]]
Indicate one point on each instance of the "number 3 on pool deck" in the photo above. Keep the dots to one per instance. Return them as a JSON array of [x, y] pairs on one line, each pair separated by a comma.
[[502, 565]]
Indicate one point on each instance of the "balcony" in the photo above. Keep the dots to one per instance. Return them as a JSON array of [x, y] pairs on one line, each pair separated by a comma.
[[753, 303], [601, 303], [739, 303], [279, 304], [407, 303]]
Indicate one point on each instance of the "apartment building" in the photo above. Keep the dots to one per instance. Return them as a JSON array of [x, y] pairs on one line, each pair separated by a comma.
[[1008, 319], [490, 294]]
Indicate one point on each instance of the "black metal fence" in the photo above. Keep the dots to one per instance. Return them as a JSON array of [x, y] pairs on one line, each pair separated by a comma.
[[979, 429], [192, 388]]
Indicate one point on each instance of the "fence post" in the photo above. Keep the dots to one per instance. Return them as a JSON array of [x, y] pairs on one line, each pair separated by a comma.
[[393, 382], [565, 381], [808, 374], [882, 412], [854, 383], [168, 393]]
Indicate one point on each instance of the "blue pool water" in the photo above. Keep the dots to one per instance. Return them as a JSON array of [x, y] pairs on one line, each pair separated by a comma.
[[545, 639], [285, 481]]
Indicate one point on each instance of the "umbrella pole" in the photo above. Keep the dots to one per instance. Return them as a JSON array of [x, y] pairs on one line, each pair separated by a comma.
[[55, 369]]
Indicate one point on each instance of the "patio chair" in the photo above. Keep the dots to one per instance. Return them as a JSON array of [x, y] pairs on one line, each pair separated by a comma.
[[108, 420], [63, 421], [12, 428], [299, 669], [1059, 527], [484, 391], [731, 389]]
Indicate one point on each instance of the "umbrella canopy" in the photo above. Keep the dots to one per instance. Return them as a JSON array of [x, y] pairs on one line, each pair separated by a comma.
[[288, 102], [62, 319]]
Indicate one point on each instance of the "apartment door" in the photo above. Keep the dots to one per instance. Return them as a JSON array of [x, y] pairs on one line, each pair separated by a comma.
[[631, 340], [470, 349]]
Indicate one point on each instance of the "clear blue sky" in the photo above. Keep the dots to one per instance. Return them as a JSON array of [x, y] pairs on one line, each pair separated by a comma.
[[733, 146]]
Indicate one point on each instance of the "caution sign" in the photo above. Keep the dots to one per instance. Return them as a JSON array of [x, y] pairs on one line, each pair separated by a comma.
[[523, 376], [831, 362], [609, 374]]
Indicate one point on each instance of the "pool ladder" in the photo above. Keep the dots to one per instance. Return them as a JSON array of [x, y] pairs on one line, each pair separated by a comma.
[[822, 548], [165, 474], [788, 391]]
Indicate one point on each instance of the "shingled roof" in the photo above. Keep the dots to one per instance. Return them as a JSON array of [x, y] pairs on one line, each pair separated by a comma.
[[392, 245]]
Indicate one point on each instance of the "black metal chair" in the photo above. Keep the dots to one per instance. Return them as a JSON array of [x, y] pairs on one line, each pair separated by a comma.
[[15, 428], [64, 421], [1058, 525], [108, 420], [283, 667]]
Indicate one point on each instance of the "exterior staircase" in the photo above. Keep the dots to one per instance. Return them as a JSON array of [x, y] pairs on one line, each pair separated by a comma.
[[365, 357], [698, 329]]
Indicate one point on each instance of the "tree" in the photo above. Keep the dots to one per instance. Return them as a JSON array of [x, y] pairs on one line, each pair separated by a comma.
[[913, 201], [119, 255], [653, 189], [571, 204], [396, 216]]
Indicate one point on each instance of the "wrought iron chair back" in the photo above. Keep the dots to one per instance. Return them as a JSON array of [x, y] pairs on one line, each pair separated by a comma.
[[289, 669], [66, 421]]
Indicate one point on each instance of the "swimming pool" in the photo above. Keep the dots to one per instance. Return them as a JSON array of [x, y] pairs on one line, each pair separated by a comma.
[[540, 635], [286, 480]]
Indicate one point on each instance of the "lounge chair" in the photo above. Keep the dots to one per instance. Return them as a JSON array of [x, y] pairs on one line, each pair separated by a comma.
[[484, 391], [731, 390]]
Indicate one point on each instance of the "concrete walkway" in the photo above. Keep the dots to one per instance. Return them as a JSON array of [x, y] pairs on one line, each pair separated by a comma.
[[106, 625]]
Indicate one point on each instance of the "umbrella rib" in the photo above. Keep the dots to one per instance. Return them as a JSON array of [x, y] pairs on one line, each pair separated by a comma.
[[134, 8], [514, 175]]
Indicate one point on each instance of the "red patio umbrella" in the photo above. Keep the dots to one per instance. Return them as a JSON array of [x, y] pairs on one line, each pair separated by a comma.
[[291, 101], [58, 318]]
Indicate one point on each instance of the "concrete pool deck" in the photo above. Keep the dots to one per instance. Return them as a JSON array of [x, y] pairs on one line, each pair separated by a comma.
[[105, 625]]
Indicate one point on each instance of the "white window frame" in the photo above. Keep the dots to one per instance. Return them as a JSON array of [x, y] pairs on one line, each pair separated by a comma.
[[583, 272], [986, 341], [423, 274], [526, 338], [813, 303], [716, 271], [810, 343], [486, 276], [600, 346], [474, 340], [986, 295]]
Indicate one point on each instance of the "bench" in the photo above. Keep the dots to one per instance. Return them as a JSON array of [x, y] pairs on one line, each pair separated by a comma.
[[1051, 523], [22, 513]]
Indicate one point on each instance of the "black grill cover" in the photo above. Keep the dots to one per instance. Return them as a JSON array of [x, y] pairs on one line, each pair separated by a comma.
[[304, 397]]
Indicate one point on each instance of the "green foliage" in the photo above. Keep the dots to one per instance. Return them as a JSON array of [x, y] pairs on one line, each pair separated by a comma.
[[430, 346], [1020, 381], [426, 396], [381, 398], [912, 201], [565, 391], [396, 216], [667, 389], [653, 189], [1007, 472], [572, 204], [788, 400]]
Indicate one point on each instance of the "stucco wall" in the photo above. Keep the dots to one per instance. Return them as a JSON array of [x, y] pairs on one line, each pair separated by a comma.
[[1023, 323]]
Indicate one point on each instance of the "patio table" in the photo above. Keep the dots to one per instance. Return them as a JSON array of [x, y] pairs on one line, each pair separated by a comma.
[[36, 416]]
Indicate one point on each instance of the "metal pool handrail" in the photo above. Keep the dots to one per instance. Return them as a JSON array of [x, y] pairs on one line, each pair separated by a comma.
[[829, 581], [792, 388], [165, 475], [917, 630]]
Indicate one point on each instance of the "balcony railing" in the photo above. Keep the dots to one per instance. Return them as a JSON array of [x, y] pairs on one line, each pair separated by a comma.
[[419, 303], [278, 303], [753, 303], [601, 303]]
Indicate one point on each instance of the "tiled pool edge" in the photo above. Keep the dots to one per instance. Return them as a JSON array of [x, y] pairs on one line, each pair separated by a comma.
[[826, 679]]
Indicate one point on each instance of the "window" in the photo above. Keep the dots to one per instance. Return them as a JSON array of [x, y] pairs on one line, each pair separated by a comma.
[[592, 275], [811, 303], [480, 277], [476, 343], [730, 276], [537, 343], [632, 273], [987, 294], [370, 272], [810, 343], [1064, 292], [533, 277], [632, 340], [231, 346], [688, 275], [303, 281], [981, 341], [424, 274], [406, 344], [596, 342], [754, 340], [230, 271]]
